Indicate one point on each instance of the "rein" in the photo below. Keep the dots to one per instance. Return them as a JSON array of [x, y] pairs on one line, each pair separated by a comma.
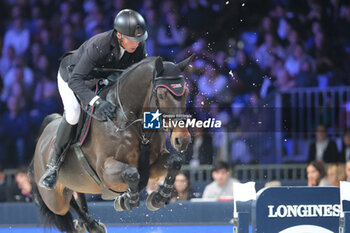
[[141, 134]]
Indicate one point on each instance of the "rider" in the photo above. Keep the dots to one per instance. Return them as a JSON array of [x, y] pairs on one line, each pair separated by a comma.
[[118, 48]]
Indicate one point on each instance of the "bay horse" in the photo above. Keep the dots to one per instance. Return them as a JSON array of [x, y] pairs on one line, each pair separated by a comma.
[[122, 154]]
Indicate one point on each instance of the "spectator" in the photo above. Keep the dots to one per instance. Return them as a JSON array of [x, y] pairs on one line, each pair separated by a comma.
[[316, 28], [283, 25], [21, 73], [94, 17], [3, 185], [2, 103], [294, 60], [267, 25], [34, 54], [320, 51], [201, 150], [275, 63], [269, 47], [248, 73], [293, 41], [7, 60], [316, 174], [211, 84], [336, 173], [78, 28], [67, 45], [18, 37], [240, 150], [50, 48], [182, 188], [152, 27], [151, 187], [201, 105], [66, 10], [197, 16], [323, 148], [347, 170], [344, 22], [110, 9], [345, 150], [284, 81], [306, 76], [42, 67], [171, 36], [222, 186], [199, 48], [45, 102], [14, 125], [36, 19], [21, 191]]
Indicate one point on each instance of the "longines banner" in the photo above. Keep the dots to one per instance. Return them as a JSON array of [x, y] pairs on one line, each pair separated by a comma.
[[298, 209]]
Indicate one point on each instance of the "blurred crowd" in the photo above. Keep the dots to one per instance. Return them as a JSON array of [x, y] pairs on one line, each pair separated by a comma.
[[245, 51], [220, 188]]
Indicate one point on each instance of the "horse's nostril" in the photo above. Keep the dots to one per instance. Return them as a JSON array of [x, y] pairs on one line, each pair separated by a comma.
[[177, 141]]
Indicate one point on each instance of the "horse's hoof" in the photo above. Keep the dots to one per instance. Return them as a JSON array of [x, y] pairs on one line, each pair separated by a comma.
[[149, 202], [103, 226], [100, 228], [119, 204], [79, 227]]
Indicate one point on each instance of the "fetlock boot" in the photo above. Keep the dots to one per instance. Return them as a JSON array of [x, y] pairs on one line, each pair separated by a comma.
[[63, 138]]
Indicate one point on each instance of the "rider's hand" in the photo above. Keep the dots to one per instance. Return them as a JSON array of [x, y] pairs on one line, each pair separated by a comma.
[[105, 108]]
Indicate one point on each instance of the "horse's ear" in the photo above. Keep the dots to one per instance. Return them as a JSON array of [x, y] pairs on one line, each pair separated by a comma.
[[183, 64], [158, 65]]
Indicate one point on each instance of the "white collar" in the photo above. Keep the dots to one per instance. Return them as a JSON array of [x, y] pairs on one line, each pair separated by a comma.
[[122, 51]]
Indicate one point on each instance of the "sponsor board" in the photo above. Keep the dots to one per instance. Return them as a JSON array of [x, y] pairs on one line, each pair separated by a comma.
[[298, 209]]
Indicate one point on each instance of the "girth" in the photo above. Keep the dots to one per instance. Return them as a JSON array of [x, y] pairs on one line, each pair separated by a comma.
[[107, 194]]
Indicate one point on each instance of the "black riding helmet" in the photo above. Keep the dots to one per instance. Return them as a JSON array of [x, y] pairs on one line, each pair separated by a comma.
[[131, 25]]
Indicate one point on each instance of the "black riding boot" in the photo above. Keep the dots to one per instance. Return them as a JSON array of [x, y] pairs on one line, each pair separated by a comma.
[[63, 137]]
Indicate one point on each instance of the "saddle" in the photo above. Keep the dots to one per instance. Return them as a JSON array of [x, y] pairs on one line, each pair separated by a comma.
[[87, 113]]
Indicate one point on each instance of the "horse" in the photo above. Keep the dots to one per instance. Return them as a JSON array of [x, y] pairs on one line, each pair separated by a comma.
[[121, 152]]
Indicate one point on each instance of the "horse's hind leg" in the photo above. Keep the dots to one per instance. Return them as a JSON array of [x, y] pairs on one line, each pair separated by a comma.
[[158, 199], [86, 221]]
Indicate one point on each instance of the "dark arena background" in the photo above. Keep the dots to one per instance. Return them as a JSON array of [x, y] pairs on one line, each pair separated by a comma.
[[275, 73]]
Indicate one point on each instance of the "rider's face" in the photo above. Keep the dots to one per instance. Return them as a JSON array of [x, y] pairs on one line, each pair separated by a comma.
[[129, 45]]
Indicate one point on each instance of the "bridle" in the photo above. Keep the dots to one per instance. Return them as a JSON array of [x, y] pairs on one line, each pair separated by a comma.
[[139, 131]]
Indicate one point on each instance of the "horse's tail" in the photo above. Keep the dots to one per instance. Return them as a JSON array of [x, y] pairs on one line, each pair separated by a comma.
[[64, 223], [47, 120]]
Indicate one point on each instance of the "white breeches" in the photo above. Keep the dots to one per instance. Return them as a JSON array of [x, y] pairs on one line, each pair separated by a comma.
[[70, 102]]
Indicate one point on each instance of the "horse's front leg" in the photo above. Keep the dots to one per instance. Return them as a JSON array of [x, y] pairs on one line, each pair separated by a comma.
[[158, 199], [118, 176]]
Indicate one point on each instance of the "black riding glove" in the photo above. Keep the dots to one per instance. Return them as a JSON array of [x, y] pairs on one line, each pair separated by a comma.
[[105, 108]]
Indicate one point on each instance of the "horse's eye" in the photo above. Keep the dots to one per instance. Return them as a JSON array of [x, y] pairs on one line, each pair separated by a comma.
[[161, 96]]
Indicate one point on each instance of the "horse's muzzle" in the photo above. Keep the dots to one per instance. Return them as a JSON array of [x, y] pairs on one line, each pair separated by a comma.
[[180, 141]]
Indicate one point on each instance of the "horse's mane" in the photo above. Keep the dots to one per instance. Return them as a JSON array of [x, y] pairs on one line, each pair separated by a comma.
[[125, 75], [135, 66]]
